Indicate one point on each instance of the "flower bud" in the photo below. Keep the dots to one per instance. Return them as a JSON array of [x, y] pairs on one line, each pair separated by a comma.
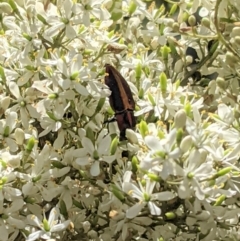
[[131, 136], [165, 51], [114, 145], [57, 164], [222, 172], [135, 163], [46, 225], [231, 59], [154, 177], [132, 7], [141, 93], [175, 27], [221, 83], [163, 83], [170, 215], [220, 200], [5, 102], [143, 128], [192, 20], [205, 22], [151, 99], [100, 105], [5, 8], [180, 118], [186, 143], [13, 5], [138, 71], [27, 36], [117, 193], [185, 16], [30, 144], [173, 9], [188, 109], [42, 19], [19, 136], [179, 136]]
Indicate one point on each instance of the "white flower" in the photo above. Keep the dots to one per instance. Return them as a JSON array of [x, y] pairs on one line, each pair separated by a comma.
[[6, 128], [93, 154], [47, 227], [196, 169], [62, 23], [145, 196], [23, 105], [163, 155], [95, 8]]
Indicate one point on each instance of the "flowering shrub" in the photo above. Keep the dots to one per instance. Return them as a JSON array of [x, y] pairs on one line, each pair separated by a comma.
[[63, 172]]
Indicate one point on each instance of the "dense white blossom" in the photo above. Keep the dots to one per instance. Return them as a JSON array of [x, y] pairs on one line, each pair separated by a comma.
[[66, 174]]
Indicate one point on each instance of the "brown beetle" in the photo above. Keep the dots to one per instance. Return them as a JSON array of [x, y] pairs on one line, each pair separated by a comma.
[[121, 100]]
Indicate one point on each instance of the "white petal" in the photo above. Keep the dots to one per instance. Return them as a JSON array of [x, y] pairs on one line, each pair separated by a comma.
[[12, 144], [81, 89], [24, 117], [70, 32], [163, 196], [62, 67], [108, 159], [4, 233], [58, 143], [154, 209], [95, 169], [54, 214], [133, 211], [153, 143], [183, 190], [16, 223], [67, 5], [14, 89], [16, 205], [54, 30], [104, 145], [33, 112], [132, 190], [60, 227], [35, 235], [81, 152], [87, 143], [82, 161]]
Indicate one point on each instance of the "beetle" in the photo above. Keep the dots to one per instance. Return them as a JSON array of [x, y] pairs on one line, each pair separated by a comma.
[[121, 100]]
